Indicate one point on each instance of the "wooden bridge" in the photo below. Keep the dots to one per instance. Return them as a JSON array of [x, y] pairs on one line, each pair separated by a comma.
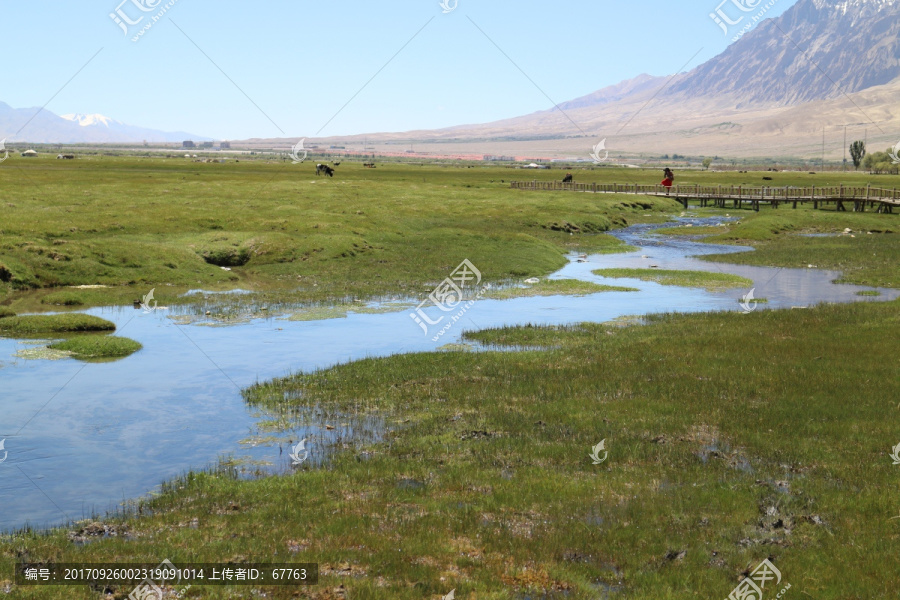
[[880, 199]]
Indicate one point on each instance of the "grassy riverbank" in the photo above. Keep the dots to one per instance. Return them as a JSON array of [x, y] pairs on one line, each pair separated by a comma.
[[869, 255], [731, 438]]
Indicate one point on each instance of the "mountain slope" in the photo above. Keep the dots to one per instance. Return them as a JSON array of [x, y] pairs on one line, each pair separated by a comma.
[[774, 88], [814, 51]]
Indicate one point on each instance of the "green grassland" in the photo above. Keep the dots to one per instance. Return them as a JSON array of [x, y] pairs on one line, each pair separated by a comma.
[[730, 438], [135, 224]]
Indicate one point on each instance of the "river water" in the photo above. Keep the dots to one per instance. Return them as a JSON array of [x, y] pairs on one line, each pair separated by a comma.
[[81, 438]]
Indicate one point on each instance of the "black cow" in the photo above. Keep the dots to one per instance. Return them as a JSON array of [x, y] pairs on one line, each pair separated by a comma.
[[320, 168], [567, 178]]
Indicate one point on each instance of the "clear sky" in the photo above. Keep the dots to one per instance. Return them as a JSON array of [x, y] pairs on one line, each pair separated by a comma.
[[234, 70]]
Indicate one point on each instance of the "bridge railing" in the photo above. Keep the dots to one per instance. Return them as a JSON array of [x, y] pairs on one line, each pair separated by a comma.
[[776, 193]]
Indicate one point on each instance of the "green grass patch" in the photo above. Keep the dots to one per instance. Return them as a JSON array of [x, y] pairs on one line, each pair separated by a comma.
[[555, 287], [97, 346], [5, 312], [710, 230], [63, 299], [38, 324], [712, 282], [320, 313], [868, 293]]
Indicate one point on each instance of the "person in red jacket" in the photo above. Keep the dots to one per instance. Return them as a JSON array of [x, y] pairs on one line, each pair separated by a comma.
[[668, 179]]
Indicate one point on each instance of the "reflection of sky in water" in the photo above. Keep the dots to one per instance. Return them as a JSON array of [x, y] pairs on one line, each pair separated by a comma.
[[113, 431]]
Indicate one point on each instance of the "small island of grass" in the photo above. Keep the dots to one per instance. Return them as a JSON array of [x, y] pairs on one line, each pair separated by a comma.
[[711, 282], [555, 287], [39, 324], [97, 346]]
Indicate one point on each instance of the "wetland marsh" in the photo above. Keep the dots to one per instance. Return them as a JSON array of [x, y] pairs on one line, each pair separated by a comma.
[[730, 436]]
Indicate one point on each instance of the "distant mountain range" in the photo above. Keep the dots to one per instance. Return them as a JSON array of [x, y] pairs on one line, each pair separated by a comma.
[[775, 91], [43, 127], [820, 66]]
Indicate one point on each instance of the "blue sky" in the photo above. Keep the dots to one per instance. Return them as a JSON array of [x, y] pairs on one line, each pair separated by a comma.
[[234, 70]]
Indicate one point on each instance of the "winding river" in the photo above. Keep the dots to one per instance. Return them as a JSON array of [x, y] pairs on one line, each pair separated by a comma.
[[80, 438]]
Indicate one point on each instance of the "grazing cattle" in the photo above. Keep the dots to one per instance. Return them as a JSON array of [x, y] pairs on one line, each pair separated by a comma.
[[370, 165], [337, 163], [66, 156], [567, 178], [320, 168]]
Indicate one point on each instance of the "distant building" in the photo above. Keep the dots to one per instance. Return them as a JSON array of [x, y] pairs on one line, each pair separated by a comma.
[[187, 144], [206, 144], [225, 145]]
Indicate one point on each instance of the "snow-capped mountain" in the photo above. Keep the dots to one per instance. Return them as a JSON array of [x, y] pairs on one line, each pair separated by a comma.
[[88, 120], [43, 127]]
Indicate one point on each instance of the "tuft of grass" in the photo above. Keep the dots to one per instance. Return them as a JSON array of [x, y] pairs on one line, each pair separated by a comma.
[[5, 312], [97, 346], [37, 324], [555, 287], [868, 293], [712, 282]]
